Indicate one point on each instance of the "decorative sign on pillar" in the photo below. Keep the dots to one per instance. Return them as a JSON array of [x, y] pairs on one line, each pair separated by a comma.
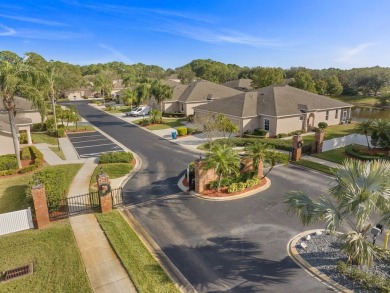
[[297, 144], [104, 188]]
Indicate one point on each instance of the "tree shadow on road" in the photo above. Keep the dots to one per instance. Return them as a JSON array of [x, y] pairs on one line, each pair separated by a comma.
[[229, 264]]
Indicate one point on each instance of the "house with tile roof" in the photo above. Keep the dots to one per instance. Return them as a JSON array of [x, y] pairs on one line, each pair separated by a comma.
[[200, 92], [278, 109], [26, 115]]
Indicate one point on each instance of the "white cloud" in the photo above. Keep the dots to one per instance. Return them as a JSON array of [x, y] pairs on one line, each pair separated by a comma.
[[116, 53], [352, 55], [6, 31], [33, 20], [209, 36]]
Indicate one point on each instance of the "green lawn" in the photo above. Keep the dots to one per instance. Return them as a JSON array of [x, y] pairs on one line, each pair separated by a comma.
[[167, 123], [314, 166], [44, 138], [73, 128], [144, 270], [12, 189], [114, 170], [336, 155], [53, 252], [58, 152], [360, 101], [332, 132]]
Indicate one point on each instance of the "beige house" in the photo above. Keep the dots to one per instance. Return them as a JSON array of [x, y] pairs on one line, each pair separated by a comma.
[[26, 115], [201, 92], [278, 109]]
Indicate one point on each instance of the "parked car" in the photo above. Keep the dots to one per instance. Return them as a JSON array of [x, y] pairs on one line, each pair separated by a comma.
[[139, 111]]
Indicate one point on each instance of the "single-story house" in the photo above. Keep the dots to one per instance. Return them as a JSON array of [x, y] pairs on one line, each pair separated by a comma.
[[200, 92], [26, 115], [278, 109]]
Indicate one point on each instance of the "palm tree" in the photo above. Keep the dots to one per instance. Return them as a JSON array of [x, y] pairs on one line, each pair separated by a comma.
[[273, 157], [381, 133], [257, 153], [16, 78], [129, 96], [361, 200], [365, 128], [224, 160], [161, 92], [143, 91]]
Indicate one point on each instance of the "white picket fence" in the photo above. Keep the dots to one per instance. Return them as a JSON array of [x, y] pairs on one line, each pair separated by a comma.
[[16, 221], [340, 142]]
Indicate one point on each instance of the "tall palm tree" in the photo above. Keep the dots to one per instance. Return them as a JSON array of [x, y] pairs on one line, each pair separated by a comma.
[[224, 160], [381, 133], [15, 79], [273, 157], [361, 200], [365, 128], [257, 153]]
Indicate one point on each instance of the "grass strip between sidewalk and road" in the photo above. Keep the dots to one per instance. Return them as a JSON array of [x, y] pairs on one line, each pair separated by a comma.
[[314, 166], [57, 264], [144, 270], [58, 152]]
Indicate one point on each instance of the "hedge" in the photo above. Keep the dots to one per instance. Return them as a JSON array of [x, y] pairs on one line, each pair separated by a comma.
[[8, 162], [55, 187], [25, 153], [362, 155], [181, 131], [174, 114], [35, 155], [243, 142], [39, 127], [116, 157]]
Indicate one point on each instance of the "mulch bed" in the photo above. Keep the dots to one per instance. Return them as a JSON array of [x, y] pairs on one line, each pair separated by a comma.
[[224, 193]]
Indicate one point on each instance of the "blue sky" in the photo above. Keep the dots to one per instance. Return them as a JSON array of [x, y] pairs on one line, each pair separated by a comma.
[[310, 33]]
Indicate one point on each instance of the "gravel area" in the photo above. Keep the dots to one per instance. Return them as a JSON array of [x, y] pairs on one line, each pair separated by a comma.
[[323, 253]]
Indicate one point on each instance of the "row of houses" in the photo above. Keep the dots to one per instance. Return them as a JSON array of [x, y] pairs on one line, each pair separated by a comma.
[[277, 109]]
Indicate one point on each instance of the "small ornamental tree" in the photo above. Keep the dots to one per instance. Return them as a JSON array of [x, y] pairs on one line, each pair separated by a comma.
[[322, 126]]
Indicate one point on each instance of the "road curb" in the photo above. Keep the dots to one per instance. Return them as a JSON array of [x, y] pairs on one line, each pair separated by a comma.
[[227, 198], [295, 256], [170, 269]]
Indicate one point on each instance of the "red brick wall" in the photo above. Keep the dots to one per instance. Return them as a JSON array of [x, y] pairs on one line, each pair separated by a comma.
[[40, 206], [202, 176]]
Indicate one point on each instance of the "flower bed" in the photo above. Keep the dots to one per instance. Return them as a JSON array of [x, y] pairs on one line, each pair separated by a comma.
[[224, 190]]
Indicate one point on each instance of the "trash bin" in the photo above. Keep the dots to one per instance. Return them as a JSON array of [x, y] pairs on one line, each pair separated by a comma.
[[174, 134]]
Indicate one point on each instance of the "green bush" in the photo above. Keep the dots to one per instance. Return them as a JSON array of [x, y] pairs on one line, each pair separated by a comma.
[[23, 138], [181, 131], [224, 182], [369, 281], [190, 118], [322, 125], [173, 114], [8, 172], [60, 132], [25, 153], [281, 135], [8, 162], [363, 155], [243, 142], [50, 124], [252, 182], [35, 153], [55, 187], [190, 130], [233, 187], [240, 186], [260, 132], [39, 127], [116, 157]]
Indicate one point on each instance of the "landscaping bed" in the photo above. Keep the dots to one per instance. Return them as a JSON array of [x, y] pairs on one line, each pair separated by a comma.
[[323, 253], [223, 192]]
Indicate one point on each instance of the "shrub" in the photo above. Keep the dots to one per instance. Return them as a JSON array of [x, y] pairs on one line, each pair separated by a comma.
[[233, 187], [322, 125], [260, 132], [190, 130], [39, 127], [241, 186], [252, 182], [60, 132], [363, 155], [243, 142], [55, 187], [25, 153], [23, 138], [116, 157], [281, 135], [8, 172], [174, 114], [50, 124], [35, 153], [224, 182], [181, 131], [8, 162]]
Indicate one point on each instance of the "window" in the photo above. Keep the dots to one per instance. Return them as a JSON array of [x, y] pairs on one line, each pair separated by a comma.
[[327, 115], [266, 124], [301, 118], [344, 115], [336, 114]]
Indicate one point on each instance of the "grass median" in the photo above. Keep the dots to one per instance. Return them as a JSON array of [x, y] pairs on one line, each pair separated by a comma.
[[55, 257], [315, 166], [144, 270]]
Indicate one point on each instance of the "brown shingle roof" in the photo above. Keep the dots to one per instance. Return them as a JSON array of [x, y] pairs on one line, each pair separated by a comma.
[[240, 84], [273, 101], [20, 103], [4, 122], [178, 88], [202, 90]]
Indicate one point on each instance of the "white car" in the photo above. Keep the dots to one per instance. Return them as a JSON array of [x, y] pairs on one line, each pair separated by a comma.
[[139, 111]]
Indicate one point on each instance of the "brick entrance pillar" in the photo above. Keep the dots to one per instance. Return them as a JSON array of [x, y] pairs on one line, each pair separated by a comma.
[[297, 148], [40, 205], [202, 176], [104, 188], [319, 141]]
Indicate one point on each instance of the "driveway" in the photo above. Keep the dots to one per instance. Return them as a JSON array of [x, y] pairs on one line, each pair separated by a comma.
[[232, 246]]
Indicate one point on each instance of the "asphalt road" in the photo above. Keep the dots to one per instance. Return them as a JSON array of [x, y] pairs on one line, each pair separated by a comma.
[[231, 246]]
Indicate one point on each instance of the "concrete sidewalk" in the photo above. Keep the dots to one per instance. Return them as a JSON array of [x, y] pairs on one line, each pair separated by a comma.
[[105, 271]]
